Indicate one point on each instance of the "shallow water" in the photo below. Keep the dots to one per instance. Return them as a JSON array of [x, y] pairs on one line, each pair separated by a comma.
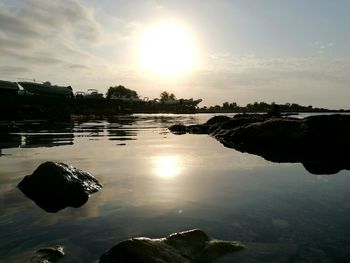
[[156, 183]]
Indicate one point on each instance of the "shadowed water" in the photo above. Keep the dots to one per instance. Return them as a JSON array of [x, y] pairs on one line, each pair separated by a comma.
[[156, 183]]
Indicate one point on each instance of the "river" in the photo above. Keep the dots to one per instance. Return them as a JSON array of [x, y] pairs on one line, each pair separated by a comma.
[[156, 183]]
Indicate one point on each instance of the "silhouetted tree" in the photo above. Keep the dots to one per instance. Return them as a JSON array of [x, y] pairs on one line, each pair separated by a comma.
[[225, 105], [166, 96], [249, 107], [272, 109], [275, 110], [233, 106], [121, 91]]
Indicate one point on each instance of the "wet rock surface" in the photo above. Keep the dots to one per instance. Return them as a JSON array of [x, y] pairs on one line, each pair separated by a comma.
[[192, 246], [54, 186], [48, 254], [321, 143]]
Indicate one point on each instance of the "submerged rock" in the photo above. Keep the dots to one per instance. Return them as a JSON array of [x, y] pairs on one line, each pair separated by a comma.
[[321, 143], [192, 246], [48, 254], [195, 129], [178, 129], [54, 186]]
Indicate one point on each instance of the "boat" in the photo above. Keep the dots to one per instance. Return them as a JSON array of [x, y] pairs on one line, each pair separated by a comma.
[[93, 94], [89, 94], [178, 102], [8, 87], [46, 89], [127, 97], [190, 102]]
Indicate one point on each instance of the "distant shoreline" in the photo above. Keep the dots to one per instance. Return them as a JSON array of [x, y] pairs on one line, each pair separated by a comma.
[[57, 108]]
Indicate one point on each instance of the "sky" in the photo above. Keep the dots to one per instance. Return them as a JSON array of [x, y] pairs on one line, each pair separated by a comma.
[[243, 50]]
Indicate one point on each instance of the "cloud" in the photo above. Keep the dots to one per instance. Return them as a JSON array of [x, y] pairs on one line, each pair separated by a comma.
[[78, 66], [13, 70], [321, 81], [52, 38], [13, 25], [308, 67], [69, 17], [43, 32]]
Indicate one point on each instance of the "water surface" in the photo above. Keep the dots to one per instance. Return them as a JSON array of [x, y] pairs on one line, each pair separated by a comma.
[[156, 183]]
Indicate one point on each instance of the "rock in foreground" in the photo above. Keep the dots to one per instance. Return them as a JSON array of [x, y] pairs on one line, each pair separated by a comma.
[[192, 246], [54, 186], [48, 254]]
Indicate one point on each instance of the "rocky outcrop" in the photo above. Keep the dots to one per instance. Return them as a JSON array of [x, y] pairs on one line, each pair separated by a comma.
[[321, 143], [54, 186], [48, 254], [192, 246]]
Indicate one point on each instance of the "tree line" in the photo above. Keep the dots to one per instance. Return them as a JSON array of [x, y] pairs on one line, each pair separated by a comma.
[[226, 107], [122, 91], [261, 107]]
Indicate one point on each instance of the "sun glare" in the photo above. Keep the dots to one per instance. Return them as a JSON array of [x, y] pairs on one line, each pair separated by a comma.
[[167, 49], [167, 166]]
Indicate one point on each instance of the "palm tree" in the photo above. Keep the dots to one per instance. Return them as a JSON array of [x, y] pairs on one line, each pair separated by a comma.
[[164, 96]]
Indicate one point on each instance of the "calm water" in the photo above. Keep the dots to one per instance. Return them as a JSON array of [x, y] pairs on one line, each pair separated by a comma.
[[156, 183]]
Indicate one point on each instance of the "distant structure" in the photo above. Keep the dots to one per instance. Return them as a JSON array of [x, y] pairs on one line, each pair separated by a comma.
[[33, 88], [90, 94], [8, 87], [33, 100]]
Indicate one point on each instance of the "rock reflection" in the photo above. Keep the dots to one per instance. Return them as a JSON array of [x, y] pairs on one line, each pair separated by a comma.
[[89, 129], [315, 161], [47, 140], [35, 135], [10, 141], [167, 166], [120, 134]]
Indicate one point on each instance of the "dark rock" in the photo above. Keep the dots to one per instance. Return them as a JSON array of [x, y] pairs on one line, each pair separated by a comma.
[[192, 246], [321, 143], [54, 186], [48, 254], [178, 129], [217, 119], [326, 166], [198, 129], [270, 132], [235, 122]]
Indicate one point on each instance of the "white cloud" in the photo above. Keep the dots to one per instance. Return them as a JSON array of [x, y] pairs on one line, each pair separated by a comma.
[[61, 38], [13, 70], [41, 32], [319, 81]]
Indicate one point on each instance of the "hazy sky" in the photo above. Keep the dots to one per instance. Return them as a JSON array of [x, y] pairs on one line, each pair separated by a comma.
[[245, 50]]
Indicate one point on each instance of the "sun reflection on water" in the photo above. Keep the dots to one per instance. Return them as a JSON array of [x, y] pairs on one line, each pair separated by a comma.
[[167, 166]]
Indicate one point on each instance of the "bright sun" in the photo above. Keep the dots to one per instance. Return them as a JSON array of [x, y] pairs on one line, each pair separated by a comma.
[[167, 49]]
